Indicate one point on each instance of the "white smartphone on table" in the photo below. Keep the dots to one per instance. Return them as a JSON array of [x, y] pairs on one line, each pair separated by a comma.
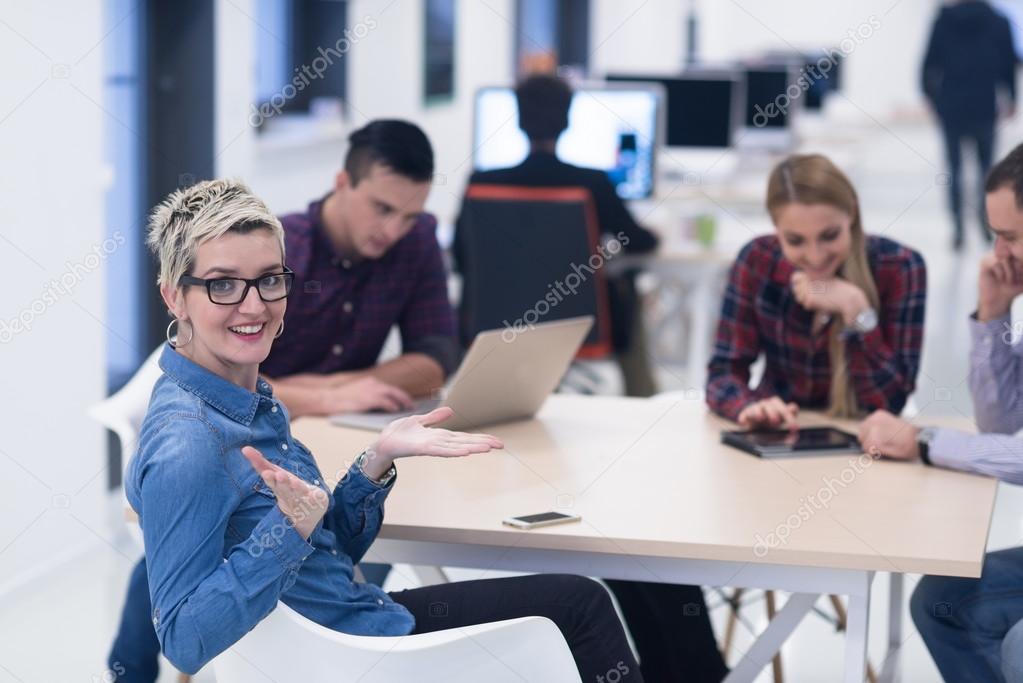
[[540, 519]]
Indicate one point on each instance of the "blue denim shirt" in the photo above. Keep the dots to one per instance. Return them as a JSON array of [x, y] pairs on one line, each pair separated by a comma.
[[220, 553]]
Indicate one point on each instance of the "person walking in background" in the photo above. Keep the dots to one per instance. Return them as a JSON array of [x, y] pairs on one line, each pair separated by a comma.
[[969, 74]]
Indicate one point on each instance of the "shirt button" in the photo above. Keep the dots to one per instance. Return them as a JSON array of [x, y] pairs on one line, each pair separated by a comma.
[[337, 350], [273, 409], [333, 551], [284, 446], [347, 307], [379, 601], [316, 482], [346, 264]]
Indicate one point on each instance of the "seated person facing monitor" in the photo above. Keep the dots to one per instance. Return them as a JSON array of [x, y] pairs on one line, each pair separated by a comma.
[[234, 511], [974, 627], [365, 258], [838, 314], [670, 647], [543, 104]]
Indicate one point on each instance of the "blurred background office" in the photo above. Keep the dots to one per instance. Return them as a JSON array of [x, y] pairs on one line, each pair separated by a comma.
[[107, 105]]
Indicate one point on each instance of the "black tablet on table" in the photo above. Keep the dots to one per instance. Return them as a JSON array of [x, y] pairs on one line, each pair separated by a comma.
[[780, 443]]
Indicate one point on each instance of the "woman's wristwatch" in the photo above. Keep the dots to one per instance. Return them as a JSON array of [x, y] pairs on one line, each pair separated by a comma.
[[865, 321], [361, 459]]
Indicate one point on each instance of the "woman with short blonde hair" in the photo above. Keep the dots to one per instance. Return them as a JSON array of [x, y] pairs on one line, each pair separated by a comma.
[[234, 511]]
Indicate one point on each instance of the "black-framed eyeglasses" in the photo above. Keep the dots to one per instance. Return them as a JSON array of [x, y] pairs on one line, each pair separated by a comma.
[[227, 291]]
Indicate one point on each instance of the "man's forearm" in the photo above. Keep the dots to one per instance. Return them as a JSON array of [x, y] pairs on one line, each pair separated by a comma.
[[416, 373], [298, 397], [994, 455], [994, 376]]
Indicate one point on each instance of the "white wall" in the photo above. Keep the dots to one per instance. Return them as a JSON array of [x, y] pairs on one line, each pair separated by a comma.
[[881, 70], [385, 80], [51, 215]]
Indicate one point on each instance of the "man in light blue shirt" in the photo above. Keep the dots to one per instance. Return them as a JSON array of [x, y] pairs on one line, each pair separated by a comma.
[[973, 627]]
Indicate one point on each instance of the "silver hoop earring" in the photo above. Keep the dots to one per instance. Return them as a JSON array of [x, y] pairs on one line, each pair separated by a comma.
[[280, 331], [173, 339]]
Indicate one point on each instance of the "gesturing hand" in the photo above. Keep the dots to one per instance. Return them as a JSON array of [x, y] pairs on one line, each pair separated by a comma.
[[416, 435], [303, 504], [884, 434], [1001, 281], [832, 295]]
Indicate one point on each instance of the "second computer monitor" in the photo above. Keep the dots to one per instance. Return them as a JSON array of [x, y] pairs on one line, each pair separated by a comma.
[[702, 109], [768, 105], [614, 129]]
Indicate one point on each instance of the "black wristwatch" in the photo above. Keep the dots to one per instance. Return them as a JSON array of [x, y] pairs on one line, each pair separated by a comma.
[[923, 443]]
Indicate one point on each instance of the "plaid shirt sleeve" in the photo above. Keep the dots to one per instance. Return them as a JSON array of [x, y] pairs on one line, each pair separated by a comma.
[[737, 343], [883, 363], [427, 323]]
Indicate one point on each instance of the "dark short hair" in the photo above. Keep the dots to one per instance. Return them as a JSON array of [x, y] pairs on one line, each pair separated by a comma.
[[1008, 171], [543, 106], [400, 146]]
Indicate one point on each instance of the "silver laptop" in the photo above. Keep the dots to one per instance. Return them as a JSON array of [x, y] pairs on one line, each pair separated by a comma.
[[506, 375]]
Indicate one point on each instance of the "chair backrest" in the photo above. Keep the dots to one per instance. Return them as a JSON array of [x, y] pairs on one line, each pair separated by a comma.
[[531, 254], [286, 646], [124, 411]]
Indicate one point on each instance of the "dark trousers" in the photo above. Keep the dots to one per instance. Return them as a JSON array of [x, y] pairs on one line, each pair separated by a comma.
[[672, 632], [580, 607], [981, 135]]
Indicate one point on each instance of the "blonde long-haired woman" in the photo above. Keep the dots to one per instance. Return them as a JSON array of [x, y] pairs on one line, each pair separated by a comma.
[[837, 313]]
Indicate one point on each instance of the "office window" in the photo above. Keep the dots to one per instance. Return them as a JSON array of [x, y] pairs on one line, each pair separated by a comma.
[[439, 50], [302, 58], [552, 35]]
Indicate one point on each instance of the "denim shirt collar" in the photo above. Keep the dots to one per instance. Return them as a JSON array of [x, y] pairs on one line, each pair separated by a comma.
[[237, 403]]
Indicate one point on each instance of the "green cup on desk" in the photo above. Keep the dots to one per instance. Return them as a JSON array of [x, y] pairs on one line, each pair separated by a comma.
[[706, 230]]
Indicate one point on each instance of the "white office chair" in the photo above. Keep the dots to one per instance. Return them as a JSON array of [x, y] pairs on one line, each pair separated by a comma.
[[122, 413], [286, 646]]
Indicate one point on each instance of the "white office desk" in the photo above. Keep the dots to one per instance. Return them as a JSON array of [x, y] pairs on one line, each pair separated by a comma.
[[662, 500]]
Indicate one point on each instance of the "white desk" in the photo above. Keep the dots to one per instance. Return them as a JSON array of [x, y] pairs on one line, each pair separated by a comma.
[[662, 500]]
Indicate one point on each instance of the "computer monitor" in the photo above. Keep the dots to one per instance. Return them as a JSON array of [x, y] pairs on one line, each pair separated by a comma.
[[615, 129], [768, 105], [702, 109], [818, 74]]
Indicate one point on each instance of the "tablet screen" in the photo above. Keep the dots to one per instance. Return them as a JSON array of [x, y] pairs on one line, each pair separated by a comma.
[[812, 438]]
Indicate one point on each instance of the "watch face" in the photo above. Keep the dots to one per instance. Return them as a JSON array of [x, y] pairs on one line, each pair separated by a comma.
[[866, 320]]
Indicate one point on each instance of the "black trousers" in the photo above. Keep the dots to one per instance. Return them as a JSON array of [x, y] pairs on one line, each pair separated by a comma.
[[580, 607], [672, 632], [981, 134]]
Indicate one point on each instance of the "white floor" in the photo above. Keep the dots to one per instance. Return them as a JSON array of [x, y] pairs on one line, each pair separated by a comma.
[[59, 629]]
